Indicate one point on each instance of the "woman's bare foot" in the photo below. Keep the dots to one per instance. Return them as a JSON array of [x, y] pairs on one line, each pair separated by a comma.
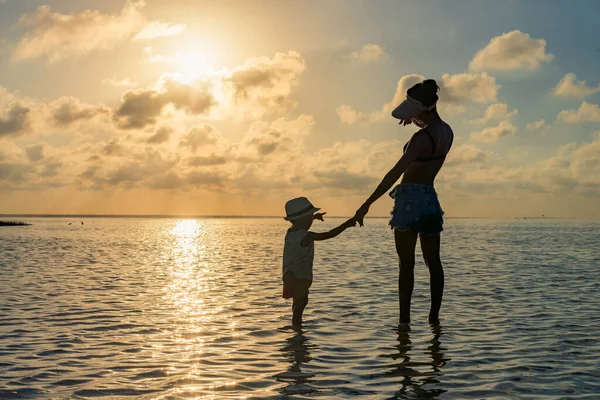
[[403, 326]]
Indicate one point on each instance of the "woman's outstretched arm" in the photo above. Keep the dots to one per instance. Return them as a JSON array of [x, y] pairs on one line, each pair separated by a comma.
[[417, 144]]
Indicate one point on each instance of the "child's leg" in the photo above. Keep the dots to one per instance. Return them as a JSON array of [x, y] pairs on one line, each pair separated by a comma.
[[298, 308]]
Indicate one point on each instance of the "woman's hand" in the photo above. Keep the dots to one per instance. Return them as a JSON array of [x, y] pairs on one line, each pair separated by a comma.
[[319, 216], [360, 214]]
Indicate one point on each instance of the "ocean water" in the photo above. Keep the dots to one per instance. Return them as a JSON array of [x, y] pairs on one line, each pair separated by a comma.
[[178, 309]]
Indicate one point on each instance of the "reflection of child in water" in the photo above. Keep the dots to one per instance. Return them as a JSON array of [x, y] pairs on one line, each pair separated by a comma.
[[299, 252]]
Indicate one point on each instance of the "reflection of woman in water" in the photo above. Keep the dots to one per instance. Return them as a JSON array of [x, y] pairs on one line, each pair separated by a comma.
[[417, 212], [414, 381]]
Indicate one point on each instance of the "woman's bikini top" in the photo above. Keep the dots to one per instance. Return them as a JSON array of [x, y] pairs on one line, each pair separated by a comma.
[[432, 157]]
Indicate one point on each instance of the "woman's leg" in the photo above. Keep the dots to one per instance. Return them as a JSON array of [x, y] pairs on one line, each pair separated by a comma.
[[405, 247], [430, 245]]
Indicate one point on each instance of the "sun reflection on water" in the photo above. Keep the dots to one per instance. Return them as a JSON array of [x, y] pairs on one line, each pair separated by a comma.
[[187, 285], [186, 291], [193, 296], [187, 228]]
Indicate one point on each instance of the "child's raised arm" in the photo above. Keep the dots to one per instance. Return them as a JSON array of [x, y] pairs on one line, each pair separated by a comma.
[[317, 236]]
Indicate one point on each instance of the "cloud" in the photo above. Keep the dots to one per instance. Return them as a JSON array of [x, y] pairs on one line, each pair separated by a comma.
[[513, 50], [574, 168], [341, 179], [345, 166], [14, 119], [139, 108], [126, 82], [67, 110], [455, 90], [16, 173], [368, 53], [587, 112], [536, 125], [466, 154], [496, 112], [349, 166], [468, 87], [132, 170], [282, 136], [173, 181], [570, 87], [65, 118], [265, 84], [255, 179], [114, 148], [35, 152], [198, 179], [126, 174], [51, 169], [202, 161], [492, 134], [57, 36], [167, 181], [199, 136], [589, 151], [465, 87], [159, 58], [156, 29], [203, 178], [161, 136], [404, 83], [258, 87], [271, 158], [451, 109], [350, 116]]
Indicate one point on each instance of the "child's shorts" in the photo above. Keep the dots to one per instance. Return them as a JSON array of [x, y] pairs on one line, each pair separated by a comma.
[[295, 287]]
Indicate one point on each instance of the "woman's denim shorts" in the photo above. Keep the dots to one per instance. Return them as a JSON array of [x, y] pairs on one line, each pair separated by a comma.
[[416, 208]]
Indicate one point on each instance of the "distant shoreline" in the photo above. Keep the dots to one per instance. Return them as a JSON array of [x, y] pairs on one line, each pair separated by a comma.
[[228, 216], [13, 223]]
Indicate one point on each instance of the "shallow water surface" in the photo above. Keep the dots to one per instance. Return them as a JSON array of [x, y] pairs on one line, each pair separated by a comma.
[[169, 309]]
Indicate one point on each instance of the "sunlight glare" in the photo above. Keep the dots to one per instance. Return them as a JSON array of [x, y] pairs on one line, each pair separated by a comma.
[[193, 59], [186, 228], [192, 65]]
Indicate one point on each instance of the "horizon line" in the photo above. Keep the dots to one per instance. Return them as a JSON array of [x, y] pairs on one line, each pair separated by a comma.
[[236, 216]]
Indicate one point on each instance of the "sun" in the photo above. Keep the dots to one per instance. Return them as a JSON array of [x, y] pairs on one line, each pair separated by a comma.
[[188, 60], [193, 59], [192, 65]]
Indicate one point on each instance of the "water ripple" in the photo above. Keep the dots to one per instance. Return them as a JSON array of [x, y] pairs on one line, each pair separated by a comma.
[[170, 309]]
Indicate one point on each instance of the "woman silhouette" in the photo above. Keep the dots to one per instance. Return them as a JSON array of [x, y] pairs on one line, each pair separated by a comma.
[[417, 211]]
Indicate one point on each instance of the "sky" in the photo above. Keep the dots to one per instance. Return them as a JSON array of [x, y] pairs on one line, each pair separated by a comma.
[[190, 107]]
